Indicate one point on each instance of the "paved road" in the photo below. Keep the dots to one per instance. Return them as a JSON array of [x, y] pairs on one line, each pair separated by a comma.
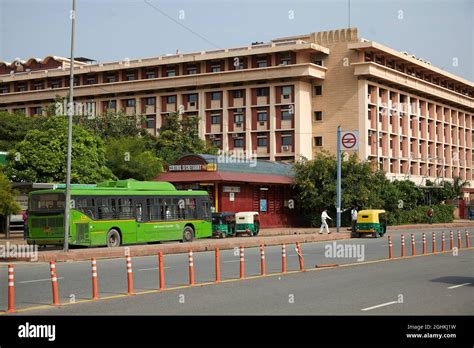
[[33, 286]]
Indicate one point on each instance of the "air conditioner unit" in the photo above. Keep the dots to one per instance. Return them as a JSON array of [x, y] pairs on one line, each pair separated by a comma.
[[285, 148], [192, 103], [239, 110], [238, 124], [235, 136], [286, 96], [262, 123], [212, 136]]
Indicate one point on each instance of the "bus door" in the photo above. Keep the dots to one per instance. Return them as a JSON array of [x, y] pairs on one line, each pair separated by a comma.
[[139, 207]]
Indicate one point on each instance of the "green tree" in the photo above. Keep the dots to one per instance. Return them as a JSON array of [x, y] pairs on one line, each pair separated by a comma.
[[8, 205], [113, 125], [14, 126], [41, 156], [131, 157], [179, 136]]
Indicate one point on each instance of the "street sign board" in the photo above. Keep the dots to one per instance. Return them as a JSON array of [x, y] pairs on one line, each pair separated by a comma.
[[350, 141]]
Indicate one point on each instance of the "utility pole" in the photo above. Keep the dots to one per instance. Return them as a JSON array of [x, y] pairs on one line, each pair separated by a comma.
[[70, 110], [338, 188]]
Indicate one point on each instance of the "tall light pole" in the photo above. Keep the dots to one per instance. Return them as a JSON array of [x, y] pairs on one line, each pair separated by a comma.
[[70, 110], [338, 187]]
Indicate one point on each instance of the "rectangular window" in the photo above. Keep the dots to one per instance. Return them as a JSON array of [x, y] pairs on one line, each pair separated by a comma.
[[191, 70], [262, 142], [238, 93], [215, 68], [262, 62], [55, 84], [238, 118], [130, 76], [150, 122], [318, 90], [91, 80], [215, 119], [171, 99], [216, 95], [318, 62], [262, 116], [285, 58], [286, 140], [130, 103], [171, 73], [110, 78], [150, 75], [318, 115], [216, 142], [150, 101], [239, 143], [111, 104], [285, 115], [318, 141], [286, 91], [262, 92], [192, 98], [21, 88]]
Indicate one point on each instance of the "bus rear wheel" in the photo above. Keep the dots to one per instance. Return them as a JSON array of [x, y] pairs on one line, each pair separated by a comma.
[[188, 234], [113, 238]]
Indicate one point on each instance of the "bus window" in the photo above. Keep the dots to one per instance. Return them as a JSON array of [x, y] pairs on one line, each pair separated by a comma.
[[139, 212], [125, 209], [191, 208]]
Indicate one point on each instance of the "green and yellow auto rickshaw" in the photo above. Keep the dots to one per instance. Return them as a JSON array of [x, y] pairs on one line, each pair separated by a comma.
[[223, 224], [247, 222], [373, 222]]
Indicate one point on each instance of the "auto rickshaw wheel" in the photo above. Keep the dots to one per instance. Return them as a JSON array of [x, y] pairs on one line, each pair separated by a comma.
[[376, 235]]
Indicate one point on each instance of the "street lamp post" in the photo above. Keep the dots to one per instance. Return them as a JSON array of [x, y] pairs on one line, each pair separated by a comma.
[[338, 187], [70, 110]]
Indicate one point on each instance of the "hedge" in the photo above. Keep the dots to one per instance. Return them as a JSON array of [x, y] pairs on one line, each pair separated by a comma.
[[442, 213]]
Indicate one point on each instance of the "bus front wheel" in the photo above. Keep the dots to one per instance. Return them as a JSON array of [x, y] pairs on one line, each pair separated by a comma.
[[113, 238], [188, 234]]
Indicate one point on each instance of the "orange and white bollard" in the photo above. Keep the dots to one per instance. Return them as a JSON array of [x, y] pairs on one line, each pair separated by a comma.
[[218, 265], [459, 240], [11, 289], [161, 270], [95, 288], [54, 283], [262, 259], [433, 248], [300, 256], [467, 239], [424, 244], [451, 240], [191, 268], [442, 241], [403, 246], [413, 247], [242, 265], [129, 275], [283, 258], [390, 255]]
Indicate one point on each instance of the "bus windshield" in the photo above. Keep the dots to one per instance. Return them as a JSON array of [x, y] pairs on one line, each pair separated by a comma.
[[46, 202]]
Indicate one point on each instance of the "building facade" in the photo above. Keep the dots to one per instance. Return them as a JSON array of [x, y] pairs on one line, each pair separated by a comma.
[[280, 100]]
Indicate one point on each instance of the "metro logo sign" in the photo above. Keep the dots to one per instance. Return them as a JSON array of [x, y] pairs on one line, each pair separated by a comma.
[[350, 140]]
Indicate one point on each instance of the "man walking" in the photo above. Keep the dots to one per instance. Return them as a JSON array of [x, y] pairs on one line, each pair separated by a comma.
[[324, 224], [353, 219], [430, 215]]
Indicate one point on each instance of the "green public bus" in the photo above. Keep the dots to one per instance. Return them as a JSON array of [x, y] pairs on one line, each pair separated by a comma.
[[119, 212]]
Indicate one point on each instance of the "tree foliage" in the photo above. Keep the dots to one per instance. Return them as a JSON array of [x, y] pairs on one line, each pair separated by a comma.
[[179, 137], [14, 126], [8, 205], [41, 156], [113, 125], [131, 157]]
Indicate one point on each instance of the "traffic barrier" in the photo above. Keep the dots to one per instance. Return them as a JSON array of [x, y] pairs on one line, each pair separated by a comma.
[[451, 240], [413, 248], [191, 268], [403, 246], [459, 240], [242, 265], [300, 256], [11, 289], [390, 256], [283, 258], [54, 283], [218, 266], [433, 248], [442, 241], [129, 275], [424, 244], [95, 288], [262, 259], [161, 270], [467, 239]]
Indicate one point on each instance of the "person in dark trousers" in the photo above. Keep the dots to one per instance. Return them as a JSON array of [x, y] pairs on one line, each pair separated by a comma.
[[430, 215], [25, 224], [353, 219]]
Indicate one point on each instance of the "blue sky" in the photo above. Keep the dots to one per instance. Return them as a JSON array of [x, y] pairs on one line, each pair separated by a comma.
[[440, 31]]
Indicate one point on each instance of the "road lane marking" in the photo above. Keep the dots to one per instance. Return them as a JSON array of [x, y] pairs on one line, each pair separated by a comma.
[[380, 305], [38, 280], [458, 286], [153, 268], [231, 261]]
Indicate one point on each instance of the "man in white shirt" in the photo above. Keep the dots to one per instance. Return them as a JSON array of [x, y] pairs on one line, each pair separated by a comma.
[[324, 224], [353, 219]]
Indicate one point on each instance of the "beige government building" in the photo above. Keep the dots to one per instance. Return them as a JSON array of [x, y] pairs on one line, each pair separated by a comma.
[[281, 100]]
